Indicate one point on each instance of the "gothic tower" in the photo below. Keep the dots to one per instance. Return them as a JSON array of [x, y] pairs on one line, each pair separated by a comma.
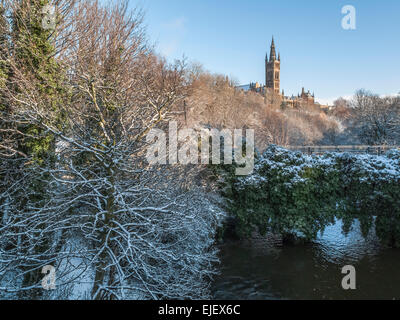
[[273, 69]]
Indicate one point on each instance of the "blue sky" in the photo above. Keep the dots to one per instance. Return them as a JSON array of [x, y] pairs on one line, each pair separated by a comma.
[[231, 37]]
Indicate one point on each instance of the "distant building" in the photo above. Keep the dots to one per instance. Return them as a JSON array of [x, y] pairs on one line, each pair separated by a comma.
[[245, 87], [272, 88], [273, 70]]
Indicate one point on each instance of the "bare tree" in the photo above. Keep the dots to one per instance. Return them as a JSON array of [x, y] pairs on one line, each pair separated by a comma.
[[131, 230], [378, 118]]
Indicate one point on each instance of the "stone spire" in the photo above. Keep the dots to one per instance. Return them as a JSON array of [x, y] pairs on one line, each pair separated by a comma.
[[272, 55]]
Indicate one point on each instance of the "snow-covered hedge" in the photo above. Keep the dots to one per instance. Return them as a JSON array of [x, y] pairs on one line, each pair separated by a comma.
[[293, 193]]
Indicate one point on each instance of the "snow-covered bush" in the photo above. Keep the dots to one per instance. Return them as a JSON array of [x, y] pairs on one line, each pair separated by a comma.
[[293, 193], [371, 188], [282, 194]]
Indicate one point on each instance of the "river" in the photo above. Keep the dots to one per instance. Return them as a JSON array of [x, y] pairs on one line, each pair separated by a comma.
[[262, 269]]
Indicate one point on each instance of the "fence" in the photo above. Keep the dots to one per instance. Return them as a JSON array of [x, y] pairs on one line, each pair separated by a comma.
[[378, 150]]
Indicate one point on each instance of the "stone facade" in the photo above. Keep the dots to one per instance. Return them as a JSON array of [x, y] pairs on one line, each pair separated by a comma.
[[273, 70]]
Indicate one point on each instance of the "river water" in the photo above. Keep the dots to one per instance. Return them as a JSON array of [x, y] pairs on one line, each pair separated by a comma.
[[263, 269]]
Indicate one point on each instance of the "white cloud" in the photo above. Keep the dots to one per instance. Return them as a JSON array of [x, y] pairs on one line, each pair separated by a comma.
[[169, 48], [329, 101], [174, 31], [391, 95], [177, 24]]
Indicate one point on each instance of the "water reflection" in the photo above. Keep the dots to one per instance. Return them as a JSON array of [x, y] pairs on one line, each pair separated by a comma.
[[261, 269]]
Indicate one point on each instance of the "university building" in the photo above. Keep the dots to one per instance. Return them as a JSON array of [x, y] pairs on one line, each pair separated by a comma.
[[272, 88]]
